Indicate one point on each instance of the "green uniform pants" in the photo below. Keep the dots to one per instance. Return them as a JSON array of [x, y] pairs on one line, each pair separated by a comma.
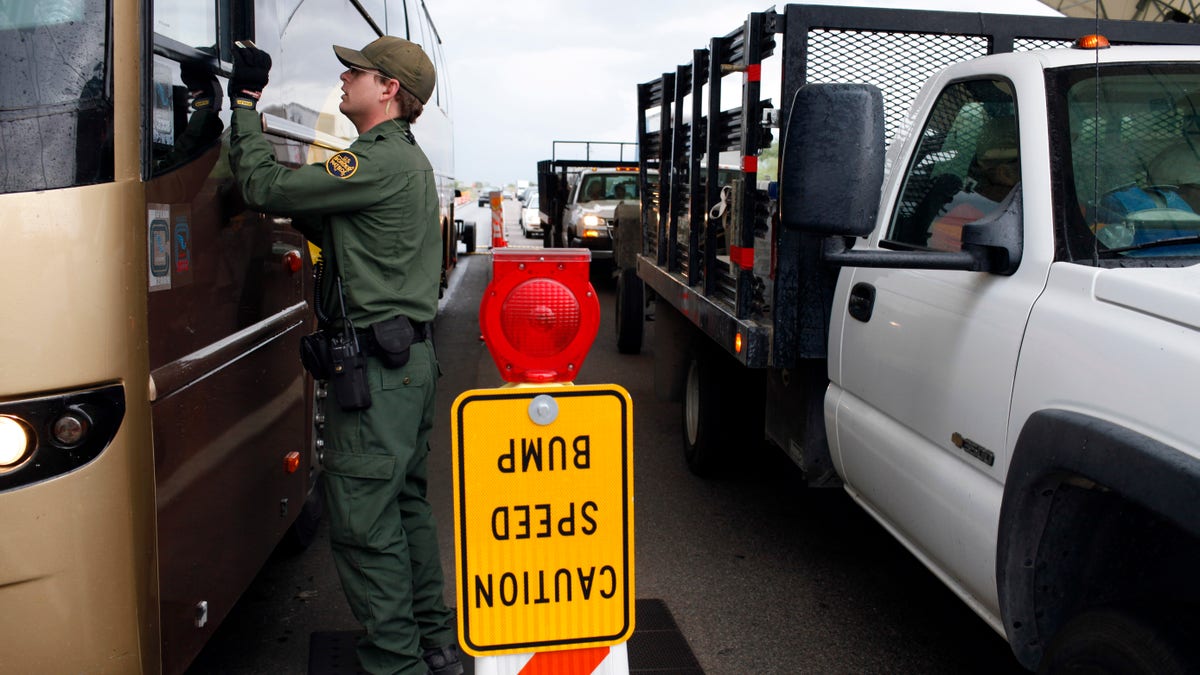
[[381, 525]]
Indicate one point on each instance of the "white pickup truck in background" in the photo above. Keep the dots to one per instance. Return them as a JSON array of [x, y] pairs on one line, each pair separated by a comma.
[[580, 187], [588, 213]]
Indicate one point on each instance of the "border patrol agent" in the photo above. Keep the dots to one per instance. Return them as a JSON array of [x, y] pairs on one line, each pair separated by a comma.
[[374, 210]]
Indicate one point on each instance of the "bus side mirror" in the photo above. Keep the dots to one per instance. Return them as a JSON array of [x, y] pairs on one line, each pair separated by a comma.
[[831, 172], [457, 193]]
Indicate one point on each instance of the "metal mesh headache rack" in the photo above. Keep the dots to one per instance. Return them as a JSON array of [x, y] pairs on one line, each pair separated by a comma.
[[736, 273]]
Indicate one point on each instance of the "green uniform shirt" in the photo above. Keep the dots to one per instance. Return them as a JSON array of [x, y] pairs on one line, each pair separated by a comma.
[[373, 209]]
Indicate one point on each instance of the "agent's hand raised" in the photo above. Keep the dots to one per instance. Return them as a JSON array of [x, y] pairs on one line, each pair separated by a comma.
[[251, 67]]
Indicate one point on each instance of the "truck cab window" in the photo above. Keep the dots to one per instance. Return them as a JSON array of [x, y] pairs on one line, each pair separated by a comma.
[[1133, 190], [966, 163]]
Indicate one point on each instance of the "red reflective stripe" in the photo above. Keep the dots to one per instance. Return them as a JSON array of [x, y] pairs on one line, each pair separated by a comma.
[[570, 662], [743, 257], [754, 72], [750, 164]]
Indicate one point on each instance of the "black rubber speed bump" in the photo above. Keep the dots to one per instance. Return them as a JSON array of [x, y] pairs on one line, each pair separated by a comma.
[[656, 648]]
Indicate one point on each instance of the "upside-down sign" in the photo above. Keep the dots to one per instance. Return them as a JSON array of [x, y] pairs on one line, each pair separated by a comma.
[[543, 515]]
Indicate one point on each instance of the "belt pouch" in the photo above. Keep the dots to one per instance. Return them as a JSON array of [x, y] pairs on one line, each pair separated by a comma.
[[394, 337], [314, 354]]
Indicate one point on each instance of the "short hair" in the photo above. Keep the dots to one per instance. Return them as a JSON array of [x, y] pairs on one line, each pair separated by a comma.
[[409, 106]]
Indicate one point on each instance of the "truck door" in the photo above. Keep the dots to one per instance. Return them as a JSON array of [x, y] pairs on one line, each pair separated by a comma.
[[920, 386]]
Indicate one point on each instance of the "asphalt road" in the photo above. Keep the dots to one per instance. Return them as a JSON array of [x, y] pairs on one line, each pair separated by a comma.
[[761, 574]]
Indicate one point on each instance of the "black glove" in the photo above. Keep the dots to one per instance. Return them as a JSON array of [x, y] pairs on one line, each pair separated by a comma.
[[250, 68], [202, 85]]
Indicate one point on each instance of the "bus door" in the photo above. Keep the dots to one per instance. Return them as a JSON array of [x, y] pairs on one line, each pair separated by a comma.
[[227, 291]]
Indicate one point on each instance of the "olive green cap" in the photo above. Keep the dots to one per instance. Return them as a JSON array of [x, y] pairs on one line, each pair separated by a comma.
[[396, 58]]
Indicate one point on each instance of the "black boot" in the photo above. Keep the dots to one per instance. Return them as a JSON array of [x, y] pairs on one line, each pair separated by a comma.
[[443, 660]]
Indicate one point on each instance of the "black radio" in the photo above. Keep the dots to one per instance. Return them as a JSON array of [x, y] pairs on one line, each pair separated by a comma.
[[348, 372]]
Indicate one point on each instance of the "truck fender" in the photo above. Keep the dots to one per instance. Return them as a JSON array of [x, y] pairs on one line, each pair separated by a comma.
[[1060, 448]]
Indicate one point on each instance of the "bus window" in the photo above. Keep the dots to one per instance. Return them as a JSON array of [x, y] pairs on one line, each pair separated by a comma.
[[61, 134], [40, 14], [443, 91], [397, 20], [187, 21], [418, 26], [188, 32], [178, 133], [375, 12]]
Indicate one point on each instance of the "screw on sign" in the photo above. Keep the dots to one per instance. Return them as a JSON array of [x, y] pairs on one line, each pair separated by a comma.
[[543, 482]]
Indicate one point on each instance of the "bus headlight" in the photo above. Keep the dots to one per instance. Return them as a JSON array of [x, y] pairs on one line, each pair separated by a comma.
[[15, 443], [46, 436]]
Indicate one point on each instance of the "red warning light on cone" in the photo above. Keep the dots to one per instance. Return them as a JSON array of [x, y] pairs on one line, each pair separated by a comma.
[[540, 314]]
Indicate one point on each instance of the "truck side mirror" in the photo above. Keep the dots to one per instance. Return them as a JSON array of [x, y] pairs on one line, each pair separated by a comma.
[[831, 172], [998, 238]]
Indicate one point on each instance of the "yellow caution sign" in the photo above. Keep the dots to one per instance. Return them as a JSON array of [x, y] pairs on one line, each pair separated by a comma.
[[543, 517]]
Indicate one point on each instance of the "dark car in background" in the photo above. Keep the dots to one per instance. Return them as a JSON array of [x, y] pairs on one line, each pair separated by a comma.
[[484, 193]]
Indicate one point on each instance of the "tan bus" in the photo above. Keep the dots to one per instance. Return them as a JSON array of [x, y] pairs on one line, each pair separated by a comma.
[[158, 437]]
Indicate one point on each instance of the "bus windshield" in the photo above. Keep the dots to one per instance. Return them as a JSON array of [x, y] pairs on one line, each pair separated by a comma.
[[1132, 136], [55, 107]]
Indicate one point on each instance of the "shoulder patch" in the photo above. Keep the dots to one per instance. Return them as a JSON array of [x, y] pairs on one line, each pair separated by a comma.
[[342, 165]]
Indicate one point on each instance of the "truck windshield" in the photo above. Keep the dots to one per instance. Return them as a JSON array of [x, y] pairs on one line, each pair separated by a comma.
[[602, 187], [1131, 188], [55, 105]]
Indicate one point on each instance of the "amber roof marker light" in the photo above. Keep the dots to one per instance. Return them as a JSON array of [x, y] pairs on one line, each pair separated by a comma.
[[1095, 41]]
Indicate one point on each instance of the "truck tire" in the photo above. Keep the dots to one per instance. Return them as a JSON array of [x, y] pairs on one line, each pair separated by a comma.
[[469, 237], [1116, 641], [631, 306], [704, 444]]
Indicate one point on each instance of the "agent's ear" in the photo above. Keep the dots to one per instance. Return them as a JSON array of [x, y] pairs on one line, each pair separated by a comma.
[[390, 89]]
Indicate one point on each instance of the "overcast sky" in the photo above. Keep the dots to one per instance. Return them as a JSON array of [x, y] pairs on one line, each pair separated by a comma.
[[524, 73]]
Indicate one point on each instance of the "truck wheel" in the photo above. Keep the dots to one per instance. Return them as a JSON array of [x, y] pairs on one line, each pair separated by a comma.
[[1115, 641], [630, 311], [469, 237], [704, 446]]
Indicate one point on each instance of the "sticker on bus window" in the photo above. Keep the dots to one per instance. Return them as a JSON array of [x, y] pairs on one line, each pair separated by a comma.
[[163, 111], [181, 246], [159, 246]]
